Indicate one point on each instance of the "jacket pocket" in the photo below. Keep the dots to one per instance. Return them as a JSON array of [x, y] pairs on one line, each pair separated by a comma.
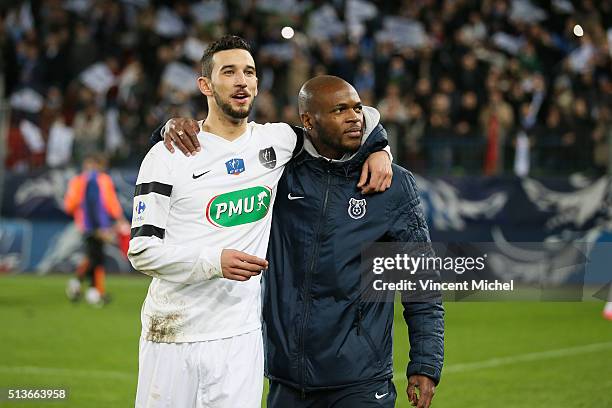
[[362, 332]]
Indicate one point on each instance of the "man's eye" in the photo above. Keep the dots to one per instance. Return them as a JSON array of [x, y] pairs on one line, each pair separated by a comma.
[[228, 72], [250, 73], [358, 109], [338, 110]]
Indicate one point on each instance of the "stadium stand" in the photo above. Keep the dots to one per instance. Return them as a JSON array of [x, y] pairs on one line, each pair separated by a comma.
[[465, 87]]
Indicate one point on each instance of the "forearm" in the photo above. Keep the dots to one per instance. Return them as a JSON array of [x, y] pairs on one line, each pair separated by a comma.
[[426, 335], [174, 263]]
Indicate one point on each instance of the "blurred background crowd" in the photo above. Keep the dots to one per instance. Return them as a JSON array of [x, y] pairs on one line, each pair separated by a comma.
[[464, 87]]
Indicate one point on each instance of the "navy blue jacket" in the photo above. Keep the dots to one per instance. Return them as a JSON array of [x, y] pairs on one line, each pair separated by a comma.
[[318, 334]]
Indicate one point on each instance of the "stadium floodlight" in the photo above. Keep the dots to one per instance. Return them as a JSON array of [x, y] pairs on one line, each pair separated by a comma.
[[578, 31], [287, 33]]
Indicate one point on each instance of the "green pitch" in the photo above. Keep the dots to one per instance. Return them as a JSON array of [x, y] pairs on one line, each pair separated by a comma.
[[497, 354]]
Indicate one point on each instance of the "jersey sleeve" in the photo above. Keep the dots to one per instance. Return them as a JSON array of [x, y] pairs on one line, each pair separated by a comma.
[[285, 139], [148, 252]]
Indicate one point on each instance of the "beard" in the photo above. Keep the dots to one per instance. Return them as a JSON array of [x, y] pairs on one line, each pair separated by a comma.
[[229, 110], [335, 143]]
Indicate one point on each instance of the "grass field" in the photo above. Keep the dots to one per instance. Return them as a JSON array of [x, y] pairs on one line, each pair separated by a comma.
[[497, 354]]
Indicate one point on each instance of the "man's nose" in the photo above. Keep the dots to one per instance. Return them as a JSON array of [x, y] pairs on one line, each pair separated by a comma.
[[240, 79], [353, 116]]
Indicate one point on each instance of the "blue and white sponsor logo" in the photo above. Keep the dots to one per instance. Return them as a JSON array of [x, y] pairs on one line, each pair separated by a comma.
[[140, 208], [235, 166]]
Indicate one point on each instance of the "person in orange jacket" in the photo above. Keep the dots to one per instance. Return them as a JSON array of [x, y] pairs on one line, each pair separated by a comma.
[[92, 200]]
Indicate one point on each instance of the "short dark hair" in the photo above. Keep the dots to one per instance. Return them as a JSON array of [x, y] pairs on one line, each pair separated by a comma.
[[228, 42]]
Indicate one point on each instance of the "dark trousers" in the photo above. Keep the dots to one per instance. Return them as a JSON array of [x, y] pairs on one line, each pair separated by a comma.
[[374, 394], [95, 254]]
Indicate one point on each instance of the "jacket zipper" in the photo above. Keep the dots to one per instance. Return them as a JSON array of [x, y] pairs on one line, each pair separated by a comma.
[[308, 283], [366, 335]]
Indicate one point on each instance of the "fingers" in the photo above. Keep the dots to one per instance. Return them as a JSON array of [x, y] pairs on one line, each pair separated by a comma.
[[426, 393], [412, 395], [373, 183], [168, 142], [173, 138], [389, 177], [253, 260], [239, 274], [180, 138], [240, 266], [364, 175], [380, 174], [380, 180], [247, 266], [193, 134], [385, 180], [187, 141], [385, 175], [426, 389], [187, 132], [182, 133]]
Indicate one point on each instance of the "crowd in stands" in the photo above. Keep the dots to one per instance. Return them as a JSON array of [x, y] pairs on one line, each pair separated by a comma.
[[483, 87]]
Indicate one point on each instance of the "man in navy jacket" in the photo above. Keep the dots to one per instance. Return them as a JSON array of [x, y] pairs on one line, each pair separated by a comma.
[[325, 346]]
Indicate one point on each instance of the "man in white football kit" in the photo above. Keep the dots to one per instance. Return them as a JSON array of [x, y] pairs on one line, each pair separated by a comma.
[[201, 343]]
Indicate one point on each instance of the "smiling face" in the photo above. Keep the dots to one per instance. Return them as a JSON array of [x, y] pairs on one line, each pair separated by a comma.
[[232, 85], [335, 116]]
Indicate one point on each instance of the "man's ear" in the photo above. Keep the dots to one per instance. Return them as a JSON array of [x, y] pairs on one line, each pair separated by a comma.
[[307, 120], [205, 86]]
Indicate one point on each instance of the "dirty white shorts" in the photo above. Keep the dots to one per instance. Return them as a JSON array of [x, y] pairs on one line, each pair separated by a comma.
[[225, 373]]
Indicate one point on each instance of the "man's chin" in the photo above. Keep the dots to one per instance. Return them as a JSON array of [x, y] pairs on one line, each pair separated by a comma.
[[351, 146], [238, 112]]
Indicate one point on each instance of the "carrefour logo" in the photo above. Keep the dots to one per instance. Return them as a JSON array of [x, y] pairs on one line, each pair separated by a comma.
[[239, 207]]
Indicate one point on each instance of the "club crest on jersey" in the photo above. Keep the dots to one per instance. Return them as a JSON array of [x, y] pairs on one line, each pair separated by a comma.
[[239, 207], [357, 208], [267, 157], [234, 166]]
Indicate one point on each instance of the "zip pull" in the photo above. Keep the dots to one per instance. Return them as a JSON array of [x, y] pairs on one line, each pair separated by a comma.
[[359, 320]]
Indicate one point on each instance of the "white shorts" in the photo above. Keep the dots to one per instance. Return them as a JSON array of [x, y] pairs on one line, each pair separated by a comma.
[[225, 373]]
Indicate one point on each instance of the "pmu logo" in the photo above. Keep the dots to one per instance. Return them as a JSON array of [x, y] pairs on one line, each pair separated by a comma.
[[239, 207], [234, 166], [140, 207]]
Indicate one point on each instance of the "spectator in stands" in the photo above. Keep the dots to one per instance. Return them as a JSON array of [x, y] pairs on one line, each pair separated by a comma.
[[439, 135], [487, 49], [553, 146], [88, 127], [496, 120]]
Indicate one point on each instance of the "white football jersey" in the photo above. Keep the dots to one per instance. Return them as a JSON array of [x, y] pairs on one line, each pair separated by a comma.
[[186, 211]]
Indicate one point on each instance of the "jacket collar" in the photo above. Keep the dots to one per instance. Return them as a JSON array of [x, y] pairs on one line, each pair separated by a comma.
[[374, 139]]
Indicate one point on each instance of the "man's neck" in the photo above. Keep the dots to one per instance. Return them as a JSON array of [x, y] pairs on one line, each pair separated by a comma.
[[222, 125]]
